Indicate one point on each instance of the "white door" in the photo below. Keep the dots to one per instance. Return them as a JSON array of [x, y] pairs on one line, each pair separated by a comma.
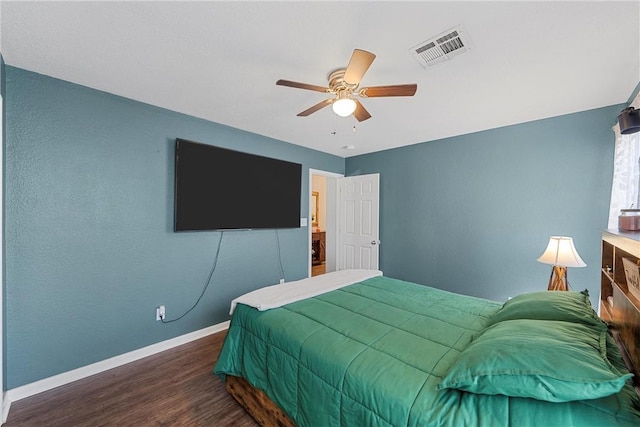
[[358, 225]]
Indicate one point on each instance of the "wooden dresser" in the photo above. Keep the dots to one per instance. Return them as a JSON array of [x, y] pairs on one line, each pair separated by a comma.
[[318, 245], [619, 305]]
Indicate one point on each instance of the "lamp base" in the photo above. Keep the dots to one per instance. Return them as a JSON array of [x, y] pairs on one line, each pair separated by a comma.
[[558, 279]]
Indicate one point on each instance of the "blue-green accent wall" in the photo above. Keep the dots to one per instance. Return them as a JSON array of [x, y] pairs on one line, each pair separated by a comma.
[[90, 250], [634, 94], [1, 74], [472, 213], [89, 227]]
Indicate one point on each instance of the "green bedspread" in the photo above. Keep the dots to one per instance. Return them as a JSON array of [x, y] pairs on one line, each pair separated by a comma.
[[372, 353]]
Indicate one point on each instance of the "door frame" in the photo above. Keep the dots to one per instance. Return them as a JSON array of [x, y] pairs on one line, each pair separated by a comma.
[[4, 411], [331, 226]]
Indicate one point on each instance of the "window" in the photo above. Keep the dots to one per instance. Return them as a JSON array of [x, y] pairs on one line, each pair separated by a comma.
[[626, 172]]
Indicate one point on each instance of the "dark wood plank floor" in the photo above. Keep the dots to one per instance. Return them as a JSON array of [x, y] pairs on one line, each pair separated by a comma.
[[174, 388]]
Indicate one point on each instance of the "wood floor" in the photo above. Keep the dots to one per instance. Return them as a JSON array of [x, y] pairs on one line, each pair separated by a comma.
[[174, 388], [319, 269]]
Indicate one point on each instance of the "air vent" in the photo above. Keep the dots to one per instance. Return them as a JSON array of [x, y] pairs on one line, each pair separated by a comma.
[[442, 47]]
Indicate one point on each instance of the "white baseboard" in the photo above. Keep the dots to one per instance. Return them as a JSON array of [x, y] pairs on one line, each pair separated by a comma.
[[6, 405], [49, 383]]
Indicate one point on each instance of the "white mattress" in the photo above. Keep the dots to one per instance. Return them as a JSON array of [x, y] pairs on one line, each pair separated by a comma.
[[278, 295]]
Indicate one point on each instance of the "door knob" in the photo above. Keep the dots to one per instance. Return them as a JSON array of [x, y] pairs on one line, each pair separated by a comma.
[[375, 242]]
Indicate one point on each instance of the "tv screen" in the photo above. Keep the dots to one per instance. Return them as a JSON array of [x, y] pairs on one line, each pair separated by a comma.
[[217, 189]]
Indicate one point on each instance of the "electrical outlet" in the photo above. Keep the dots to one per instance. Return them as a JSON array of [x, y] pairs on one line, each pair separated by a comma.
[[281, 281], [160, 313]]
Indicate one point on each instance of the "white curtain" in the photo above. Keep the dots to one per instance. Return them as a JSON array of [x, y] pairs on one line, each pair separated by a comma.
[[626, 172]]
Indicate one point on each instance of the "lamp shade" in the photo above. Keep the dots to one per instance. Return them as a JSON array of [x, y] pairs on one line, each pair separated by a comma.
[[629, 121], [560, 251], [344, 105]]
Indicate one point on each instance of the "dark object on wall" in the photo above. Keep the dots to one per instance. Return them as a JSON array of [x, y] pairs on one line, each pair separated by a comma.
[[629, 121], [221, 189]]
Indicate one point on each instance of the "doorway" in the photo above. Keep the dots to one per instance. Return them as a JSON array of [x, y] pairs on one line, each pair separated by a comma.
[[355, 244], [323, 225]]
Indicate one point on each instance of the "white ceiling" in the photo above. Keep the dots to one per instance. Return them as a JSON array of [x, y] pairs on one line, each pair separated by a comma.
[[220, 60]]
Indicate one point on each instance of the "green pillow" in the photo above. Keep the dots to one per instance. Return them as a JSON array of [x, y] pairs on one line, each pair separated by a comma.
[[548, 305], [541, 359]]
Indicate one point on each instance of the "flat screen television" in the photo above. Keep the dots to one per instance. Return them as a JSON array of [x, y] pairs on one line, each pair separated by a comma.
[[221, 189]]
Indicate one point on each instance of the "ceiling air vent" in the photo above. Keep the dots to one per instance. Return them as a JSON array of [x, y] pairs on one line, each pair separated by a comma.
[[442, 47]]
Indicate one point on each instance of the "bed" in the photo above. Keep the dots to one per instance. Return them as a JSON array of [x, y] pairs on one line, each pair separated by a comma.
[[357, 348]]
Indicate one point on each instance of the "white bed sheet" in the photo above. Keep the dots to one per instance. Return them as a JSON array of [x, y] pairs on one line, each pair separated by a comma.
[[285, 293]]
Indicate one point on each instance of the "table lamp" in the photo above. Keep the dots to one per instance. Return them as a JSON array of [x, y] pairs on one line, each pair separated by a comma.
[[560, 253]]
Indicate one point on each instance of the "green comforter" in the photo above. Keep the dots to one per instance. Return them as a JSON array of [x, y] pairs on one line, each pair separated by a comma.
[[372, 353]]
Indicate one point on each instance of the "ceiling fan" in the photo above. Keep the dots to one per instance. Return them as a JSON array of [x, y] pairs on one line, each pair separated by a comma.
[[344, 85]]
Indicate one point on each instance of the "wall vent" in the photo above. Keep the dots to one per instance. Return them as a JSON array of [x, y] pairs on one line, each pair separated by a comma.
[[443, 47]]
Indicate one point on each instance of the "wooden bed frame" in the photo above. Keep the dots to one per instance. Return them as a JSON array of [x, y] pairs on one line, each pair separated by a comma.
[[627, 333], [257, 403]]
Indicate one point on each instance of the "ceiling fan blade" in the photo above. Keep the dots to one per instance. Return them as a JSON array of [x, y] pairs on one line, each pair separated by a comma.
[[361, 114], [316, 107], [302, 85], [394, 90], [358, 65]]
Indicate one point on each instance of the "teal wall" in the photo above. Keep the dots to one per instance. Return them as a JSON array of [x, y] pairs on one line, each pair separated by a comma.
[[1, 74], [89, 227], [471, 214], [90, 250], [634, 93]]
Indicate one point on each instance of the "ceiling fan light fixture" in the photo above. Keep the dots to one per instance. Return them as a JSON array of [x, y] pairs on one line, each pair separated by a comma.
[[344, 84], [344, 106]]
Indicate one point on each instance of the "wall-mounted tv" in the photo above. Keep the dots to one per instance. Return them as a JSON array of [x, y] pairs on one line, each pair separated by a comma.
[[221, 189]]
